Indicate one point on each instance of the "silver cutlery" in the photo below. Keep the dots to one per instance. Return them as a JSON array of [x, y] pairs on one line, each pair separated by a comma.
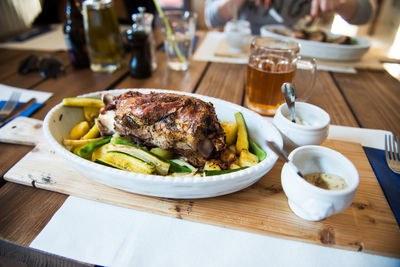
[[392, 152], [274, 147], [10, 105], [23, 107], [289, 92]]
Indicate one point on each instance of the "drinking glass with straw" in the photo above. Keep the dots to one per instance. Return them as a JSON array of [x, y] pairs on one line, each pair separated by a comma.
[[179, 31]]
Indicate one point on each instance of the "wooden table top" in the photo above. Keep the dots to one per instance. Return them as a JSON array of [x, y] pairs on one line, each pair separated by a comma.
[[368, 99]]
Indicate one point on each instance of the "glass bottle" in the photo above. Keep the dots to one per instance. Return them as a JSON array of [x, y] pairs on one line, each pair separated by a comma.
[[140, 65], [145, 20], [102, 35], [74, 35]]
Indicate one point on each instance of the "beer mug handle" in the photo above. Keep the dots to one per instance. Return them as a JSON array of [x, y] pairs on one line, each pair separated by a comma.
[[311, 65]]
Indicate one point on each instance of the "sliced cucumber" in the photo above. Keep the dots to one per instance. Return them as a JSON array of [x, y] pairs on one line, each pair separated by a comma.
[[242, 141], [103, 163], [127, 162], [162, 167], [166, 154], [255, 149], [173, 167], [185, 164], [219, 172], [86, 151], [123, 141]]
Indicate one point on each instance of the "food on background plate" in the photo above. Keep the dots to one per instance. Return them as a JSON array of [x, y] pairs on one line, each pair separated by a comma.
[[161, 133], [315, 35]]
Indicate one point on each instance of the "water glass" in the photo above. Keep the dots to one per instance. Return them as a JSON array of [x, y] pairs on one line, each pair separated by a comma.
[[178, 38]]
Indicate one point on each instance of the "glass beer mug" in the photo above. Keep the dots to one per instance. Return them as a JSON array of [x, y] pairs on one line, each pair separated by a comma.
[[273, 62], [103, 37]]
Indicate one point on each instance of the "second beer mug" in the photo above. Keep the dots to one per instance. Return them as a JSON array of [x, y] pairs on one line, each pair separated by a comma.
[[273, 62], [103, 37]]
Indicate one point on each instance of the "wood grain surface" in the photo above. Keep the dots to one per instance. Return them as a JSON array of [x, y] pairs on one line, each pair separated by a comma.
[[374, 98], [260, 208], [367, 99]]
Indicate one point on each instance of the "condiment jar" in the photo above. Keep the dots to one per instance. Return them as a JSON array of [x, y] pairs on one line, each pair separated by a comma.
[[144, 20], [74, 35], [140, 64]]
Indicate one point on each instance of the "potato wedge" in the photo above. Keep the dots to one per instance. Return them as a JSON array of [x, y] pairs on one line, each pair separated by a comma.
[[90, 113], [92, 133], [73, 142], [211, 165], [230, 129], [79, 130], [247, 159]]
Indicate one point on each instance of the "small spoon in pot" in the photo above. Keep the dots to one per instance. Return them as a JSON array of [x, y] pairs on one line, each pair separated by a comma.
[[283, 155], [289, 92]]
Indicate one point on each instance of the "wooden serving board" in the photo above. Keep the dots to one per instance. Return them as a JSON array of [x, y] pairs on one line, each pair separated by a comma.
[[368, 225]]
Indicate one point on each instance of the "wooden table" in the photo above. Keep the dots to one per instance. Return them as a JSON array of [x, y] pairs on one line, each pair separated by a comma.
[[368, 99]]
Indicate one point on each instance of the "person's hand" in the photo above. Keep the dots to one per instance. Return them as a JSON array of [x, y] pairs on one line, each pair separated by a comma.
[[266, 3], [345, 8]]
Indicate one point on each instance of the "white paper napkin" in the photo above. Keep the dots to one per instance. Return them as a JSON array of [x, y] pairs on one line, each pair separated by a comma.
[[104, 234], [26, 95]]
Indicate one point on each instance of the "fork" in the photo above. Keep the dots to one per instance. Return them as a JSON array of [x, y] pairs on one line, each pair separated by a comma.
[[392, 152], [10, 105]]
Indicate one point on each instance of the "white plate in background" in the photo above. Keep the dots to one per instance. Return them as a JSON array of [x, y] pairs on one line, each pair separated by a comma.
[[321, 50]]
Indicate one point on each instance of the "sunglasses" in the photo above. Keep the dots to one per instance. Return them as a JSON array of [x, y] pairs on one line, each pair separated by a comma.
[[48, 66]]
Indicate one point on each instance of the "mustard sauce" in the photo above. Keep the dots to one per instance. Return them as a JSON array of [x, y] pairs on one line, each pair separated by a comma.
[[326, 181]]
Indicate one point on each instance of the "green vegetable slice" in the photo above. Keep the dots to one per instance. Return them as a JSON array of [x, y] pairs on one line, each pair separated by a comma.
[[123, 141], [99, 161], [87, 150], [127, 162], [255, 149], [162, 167], [219, 172], [163, 153], [173, 167], [185, 164], [242, 141]]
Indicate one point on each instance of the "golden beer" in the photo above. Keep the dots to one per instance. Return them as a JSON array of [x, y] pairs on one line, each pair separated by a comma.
[[272, 62], [265, 76], [102, 35]]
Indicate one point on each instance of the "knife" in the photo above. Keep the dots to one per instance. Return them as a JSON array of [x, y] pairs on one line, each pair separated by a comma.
[[14, 114]]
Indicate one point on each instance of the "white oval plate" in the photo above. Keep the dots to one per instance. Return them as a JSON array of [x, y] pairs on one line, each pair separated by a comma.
[[321, 50], [60, 120]]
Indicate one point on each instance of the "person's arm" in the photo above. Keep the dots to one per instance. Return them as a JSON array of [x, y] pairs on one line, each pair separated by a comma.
[[218, 12], [353, 11]]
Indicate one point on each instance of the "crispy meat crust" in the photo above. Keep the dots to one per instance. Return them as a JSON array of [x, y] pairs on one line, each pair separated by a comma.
[[184, 124]]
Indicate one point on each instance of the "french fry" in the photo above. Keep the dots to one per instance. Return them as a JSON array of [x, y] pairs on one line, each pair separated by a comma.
[[74, 143], [82, 102]]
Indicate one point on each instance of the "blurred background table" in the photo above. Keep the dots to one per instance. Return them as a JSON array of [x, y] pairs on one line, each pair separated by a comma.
[[367, 99]]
